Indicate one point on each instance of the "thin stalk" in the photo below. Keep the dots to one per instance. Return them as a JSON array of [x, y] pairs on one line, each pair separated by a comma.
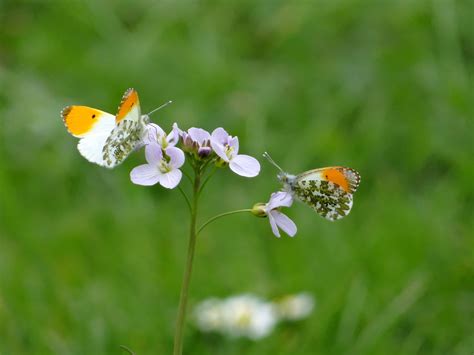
[[183, 298], [185, 197], [127, 349], [210, 220], [187, 175], [207, 179]]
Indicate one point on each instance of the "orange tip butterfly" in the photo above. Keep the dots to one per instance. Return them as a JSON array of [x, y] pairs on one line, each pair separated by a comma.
[[105, 139], [329, 191]]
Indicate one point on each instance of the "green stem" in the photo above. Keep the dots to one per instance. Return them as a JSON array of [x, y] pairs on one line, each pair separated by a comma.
[[187, 175], [127, 349], [207, 179], [183, 298], [185, 197], [210, 220]]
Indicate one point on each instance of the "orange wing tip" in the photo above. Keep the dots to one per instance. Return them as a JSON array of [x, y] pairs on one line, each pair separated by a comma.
[[337, 177], [347, 178], [353, 178], [129, 100], [79, 120], [65, 112]]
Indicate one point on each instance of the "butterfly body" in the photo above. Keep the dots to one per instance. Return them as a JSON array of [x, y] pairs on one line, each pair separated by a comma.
[[327, 190], [106, 139]]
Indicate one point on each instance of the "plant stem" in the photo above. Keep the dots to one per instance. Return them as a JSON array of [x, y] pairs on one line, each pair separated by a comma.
[[183, 298], [207, 179], [210, 220], [188, 203]]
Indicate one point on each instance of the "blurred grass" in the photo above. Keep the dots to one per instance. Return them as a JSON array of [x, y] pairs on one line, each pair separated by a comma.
[[89, 261]]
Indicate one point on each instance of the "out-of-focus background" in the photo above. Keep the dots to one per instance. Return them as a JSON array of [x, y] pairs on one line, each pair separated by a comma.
[[89, 261]]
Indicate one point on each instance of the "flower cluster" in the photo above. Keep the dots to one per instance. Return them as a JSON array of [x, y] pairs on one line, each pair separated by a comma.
[[250, 316], [164, 158], [166, 153]]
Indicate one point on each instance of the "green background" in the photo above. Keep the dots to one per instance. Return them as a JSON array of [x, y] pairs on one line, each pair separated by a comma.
[[89, 261]]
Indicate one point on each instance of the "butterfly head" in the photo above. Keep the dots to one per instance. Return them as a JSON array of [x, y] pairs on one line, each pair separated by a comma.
[[286, 179], [145, 119]]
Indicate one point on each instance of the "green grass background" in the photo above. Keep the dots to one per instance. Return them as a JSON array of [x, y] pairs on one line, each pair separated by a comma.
[[89, 261]]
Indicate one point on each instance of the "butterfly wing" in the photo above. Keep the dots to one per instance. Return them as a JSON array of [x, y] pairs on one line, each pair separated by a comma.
[[92, 126], [128, 132], [328, 190]]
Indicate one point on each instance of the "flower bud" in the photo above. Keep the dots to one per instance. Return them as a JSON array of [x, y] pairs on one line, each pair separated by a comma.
[[204, 152], [259, 210]]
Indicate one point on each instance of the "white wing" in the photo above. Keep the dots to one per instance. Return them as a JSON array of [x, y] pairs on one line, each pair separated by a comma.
[[91, 145]]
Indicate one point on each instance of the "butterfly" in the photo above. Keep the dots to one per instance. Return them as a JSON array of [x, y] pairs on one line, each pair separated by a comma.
[[329, 191], [105, 139]]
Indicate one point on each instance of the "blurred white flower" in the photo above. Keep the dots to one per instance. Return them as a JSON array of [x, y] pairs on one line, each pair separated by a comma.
[[208, 315], [295, 307], [239, 316], [248, 316]]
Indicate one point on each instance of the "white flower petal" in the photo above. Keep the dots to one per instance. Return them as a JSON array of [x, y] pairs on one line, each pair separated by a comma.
[[219, 150], [153, 153], [234, 143], [245, 165], [273, 224], [171, 179], [173, 136], [279, 199], [146, 175], [176, 157], [153, 132], [284, 222], [220, 136], [199, 135]]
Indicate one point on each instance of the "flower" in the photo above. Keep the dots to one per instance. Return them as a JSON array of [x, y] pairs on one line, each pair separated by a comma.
[[276, 218], [196, 140], [238, 316], [227, 148], [155, 134], [163, 169], [208, 315], [295, 307]]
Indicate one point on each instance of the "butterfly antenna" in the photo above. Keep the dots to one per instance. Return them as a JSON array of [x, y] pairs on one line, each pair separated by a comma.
[[159, 108], [269, 158]]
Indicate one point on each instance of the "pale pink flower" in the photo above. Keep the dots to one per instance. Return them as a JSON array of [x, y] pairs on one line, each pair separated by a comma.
[[227, 148], [196, 140], [160, 169], [155, 134], [278, 219]]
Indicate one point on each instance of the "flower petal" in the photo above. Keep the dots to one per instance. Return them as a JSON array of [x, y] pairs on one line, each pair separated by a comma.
[[171, 179], [245, 165], [199, 135], [173, 136], [234, 143], [219, 150], [279, 199], [220, 135], [176, 157], [284, 222], [146, 175], [153, 153], [273, 224], [153, 132], [177, 129]]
